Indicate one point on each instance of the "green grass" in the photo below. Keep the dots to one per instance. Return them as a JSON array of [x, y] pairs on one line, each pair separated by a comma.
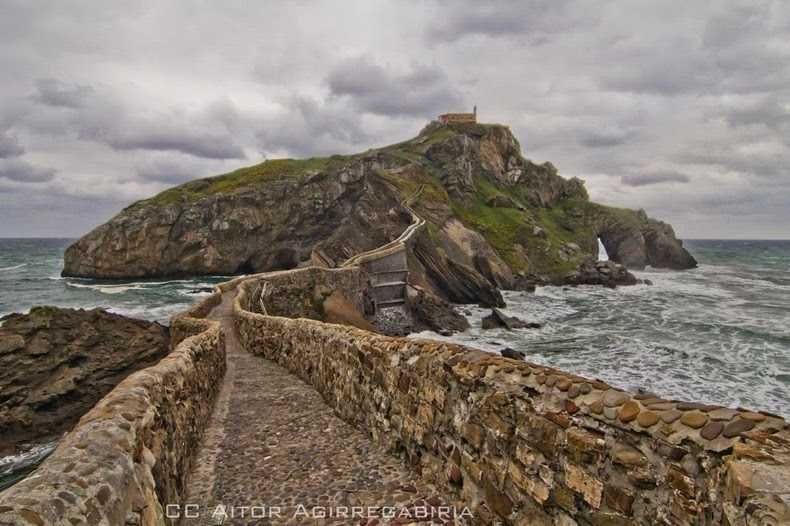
[[270, 170], [503, 228]]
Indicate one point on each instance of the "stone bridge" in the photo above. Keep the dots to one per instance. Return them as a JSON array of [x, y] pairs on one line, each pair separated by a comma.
[[261, 419]]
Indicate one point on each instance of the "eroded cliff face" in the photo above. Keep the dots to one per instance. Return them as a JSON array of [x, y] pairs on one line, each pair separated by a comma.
[[492, 217]]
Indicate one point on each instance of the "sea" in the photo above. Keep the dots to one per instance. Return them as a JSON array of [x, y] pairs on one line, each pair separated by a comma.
[[716, 334]]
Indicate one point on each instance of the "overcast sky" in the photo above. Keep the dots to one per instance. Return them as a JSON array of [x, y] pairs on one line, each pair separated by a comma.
[[678, 107]]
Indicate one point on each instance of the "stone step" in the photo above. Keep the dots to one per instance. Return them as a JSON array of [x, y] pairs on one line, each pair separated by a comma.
[[389, 277], [398, 301], [389, 284]]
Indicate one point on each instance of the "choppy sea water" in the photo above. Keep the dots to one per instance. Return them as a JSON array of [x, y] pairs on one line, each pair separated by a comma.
[[716, 334], [30, 275]]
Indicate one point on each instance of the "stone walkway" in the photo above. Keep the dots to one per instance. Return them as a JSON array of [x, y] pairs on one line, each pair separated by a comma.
[[275, 453]]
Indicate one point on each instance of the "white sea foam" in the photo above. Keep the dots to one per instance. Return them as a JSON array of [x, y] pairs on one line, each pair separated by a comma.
[[14, 267], [117, 289]]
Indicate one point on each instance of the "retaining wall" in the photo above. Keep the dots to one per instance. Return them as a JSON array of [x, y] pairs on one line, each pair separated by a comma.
[[527, 444], [130, 454]]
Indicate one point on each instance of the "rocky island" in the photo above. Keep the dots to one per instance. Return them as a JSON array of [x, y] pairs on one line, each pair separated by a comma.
[[493, 220]]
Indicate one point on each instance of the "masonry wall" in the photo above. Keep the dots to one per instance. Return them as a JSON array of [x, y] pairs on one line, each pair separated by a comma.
[[130, 454], [526, 444], [301, 292]]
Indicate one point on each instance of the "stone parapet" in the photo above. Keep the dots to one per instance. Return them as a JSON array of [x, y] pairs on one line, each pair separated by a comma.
[[128, 457], [527, 444]]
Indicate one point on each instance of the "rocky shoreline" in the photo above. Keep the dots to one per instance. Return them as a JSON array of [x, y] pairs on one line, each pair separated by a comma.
[[55, 364]]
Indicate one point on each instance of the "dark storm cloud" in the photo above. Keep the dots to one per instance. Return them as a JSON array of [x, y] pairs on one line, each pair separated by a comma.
[[373, 88], [9, 146], [651, 178], [24, 172], [52, 92]]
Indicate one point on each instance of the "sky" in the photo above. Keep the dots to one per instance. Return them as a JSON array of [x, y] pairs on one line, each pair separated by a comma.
[[681, 108]]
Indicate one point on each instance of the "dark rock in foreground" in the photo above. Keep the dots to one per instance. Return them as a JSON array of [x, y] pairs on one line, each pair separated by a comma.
[[507, 352], [55, 364]]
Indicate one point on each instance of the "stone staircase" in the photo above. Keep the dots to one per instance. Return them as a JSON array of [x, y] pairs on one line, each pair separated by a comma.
[[387, 265]]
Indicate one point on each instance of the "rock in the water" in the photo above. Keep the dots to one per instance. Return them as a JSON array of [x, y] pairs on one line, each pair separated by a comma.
[[507, 352], [636, 240], [499, 320], [55, 364], [201, 290], [606, 273], [433, 313]]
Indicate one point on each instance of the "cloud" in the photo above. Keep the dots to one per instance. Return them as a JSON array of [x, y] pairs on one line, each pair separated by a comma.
[[771, 111], [651, 178], [168, 170], [24, 172], [538, 19], [763, 165], [105, 116], [9, 146], [307, 126], [603, 138], [742, 50], [167, 137], [373, 88], [52, 92]]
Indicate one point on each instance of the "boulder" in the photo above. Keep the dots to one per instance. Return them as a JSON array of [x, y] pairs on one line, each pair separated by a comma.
[[507, 352], [55, 364], [606, 273], [433, 313], [499, 320]]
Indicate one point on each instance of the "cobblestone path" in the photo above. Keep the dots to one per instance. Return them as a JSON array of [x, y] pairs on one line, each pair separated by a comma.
[[275, 453]]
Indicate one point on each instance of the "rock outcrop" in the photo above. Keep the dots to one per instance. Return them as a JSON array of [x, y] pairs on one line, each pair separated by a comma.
[[606, 273], [499, 320], [635, 240], [491, 215], [55, 364], [433, 313]]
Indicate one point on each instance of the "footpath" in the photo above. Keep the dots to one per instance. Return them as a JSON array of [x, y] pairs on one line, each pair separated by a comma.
[[275, 453]]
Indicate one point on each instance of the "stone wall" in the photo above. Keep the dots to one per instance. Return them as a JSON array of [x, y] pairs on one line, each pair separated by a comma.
[[526, 444], [301, 292], [130, 454]]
